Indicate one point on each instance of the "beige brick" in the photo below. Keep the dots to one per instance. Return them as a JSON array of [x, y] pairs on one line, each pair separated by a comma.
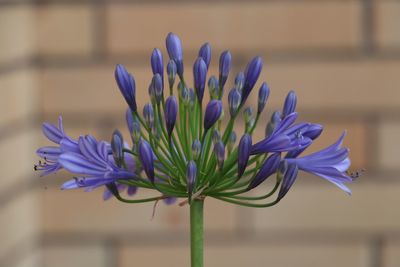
[[388, 19], [65, 29], [257, 255], [235, 25], [17, 31], [391, 254], [388, 148], [20, 222], [61, 214], [351, 85], [324, 207], [73, 256], [19, 97], [17, 159]]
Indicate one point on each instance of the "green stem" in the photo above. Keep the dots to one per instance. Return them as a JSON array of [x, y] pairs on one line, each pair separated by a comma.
[[196, 232]]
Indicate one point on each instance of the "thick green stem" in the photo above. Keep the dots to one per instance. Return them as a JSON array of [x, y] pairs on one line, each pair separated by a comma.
[[196, 232]]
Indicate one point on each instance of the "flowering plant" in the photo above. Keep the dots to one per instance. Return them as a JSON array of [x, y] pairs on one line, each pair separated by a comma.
[[179, 152]]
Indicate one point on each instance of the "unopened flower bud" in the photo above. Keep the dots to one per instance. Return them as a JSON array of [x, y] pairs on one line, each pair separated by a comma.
[[271, 125], [191, 176], [239, 81], [269, 167], [225, 62], [231, 141], [171, 71], [117, 143], [157, 85], [212, 114], [251, 75], [157, 63], [244, 150], [216, 136], [171, 111], [196, 149], [199, 75], [213, 87], [290, 104], [263, 94], [174, 48], [234, 99], [248, 114], [148, 114], [219, 150], [205, 53], [127, 86], [147, 159]]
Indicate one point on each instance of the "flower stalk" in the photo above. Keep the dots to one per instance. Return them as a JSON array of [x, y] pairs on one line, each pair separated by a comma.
[[197, 232]]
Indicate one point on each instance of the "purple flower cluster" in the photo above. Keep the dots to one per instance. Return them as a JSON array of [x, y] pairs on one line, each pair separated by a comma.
[[181, 154]]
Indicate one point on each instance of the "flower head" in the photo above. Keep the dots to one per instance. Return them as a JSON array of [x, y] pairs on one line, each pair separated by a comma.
[[180, 150]]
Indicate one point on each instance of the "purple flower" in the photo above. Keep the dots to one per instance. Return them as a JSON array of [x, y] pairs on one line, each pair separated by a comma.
[[251, 74], [239, 81], [126, 85], [191, 176], [205, 53], [157, 63], [199, 75], [269, 167], [213, 87], [282, 138], [307, 130], [290, 104], [244, 149], [288, 180], [171, 71], [219, 150], [263, 95], [147, 159], [330, 163], [174, 48], [225, 64], [94, 163], [51, 154], [212, 113], [171, 110], [117, 145], [234, 100], [196, 149], [157, 87]]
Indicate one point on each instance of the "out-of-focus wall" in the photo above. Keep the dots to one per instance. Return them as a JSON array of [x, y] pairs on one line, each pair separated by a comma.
[[341, 56]]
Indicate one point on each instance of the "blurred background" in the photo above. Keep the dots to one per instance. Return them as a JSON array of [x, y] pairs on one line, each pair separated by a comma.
[[341, 56]]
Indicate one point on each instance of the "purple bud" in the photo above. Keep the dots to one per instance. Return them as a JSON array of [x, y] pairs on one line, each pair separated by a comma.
[[275, 119], [212, 114], [191, 175], [234, 100], [147, 159], [117, 143], [313, 131], [171, 110], [157, 85], [263, 94], [251, 74], [129, 119], [200, 75], [192, 96], [216, 136], [219, 150], [225, 61], [184, 96], [148, 114], [196, 149], [131, 190], [133, 126], [174, 48], [157, 63], [205, 53], [126, 85], [171, 71], [213, 87], [239, 81], [169, 200], [269, 167], [244, 150], [248, 114], [288, 179], [290, 104]]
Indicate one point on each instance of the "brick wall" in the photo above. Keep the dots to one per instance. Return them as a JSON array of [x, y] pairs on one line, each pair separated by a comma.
[[341, 56]]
